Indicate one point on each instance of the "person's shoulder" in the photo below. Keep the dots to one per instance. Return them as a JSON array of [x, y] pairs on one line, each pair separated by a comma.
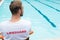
[[26, 21], [4, 22]]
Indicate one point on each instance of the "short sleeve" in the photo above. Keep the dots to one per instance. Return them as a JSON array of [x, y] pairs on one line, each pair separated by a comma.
[[30, 26]]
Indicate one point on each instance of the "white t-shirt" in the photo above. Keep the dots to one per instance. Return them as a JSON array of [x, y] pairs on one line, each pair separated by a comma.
[[15, 31]]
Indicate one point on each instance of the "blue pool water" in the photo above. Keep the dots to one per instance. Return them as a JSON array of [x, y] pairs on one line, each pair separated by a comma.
[[44, 15]]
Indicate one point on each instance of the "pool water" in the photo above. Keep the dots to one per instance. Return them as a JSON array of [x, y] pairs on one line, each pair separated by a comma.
[[44, 15]]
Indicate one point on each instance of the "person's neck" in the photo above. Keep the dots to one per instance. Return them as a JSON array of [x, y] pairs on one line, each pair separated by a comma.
[[15, 18]]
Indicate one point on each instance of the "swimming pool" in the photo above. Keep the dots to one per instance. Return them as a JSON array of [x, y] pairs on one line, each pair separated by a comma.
[[44, 15]]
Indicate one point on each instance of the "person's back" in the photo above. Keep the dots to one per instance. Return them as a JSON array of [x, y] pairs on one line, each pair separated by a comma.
[[15, 31]]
